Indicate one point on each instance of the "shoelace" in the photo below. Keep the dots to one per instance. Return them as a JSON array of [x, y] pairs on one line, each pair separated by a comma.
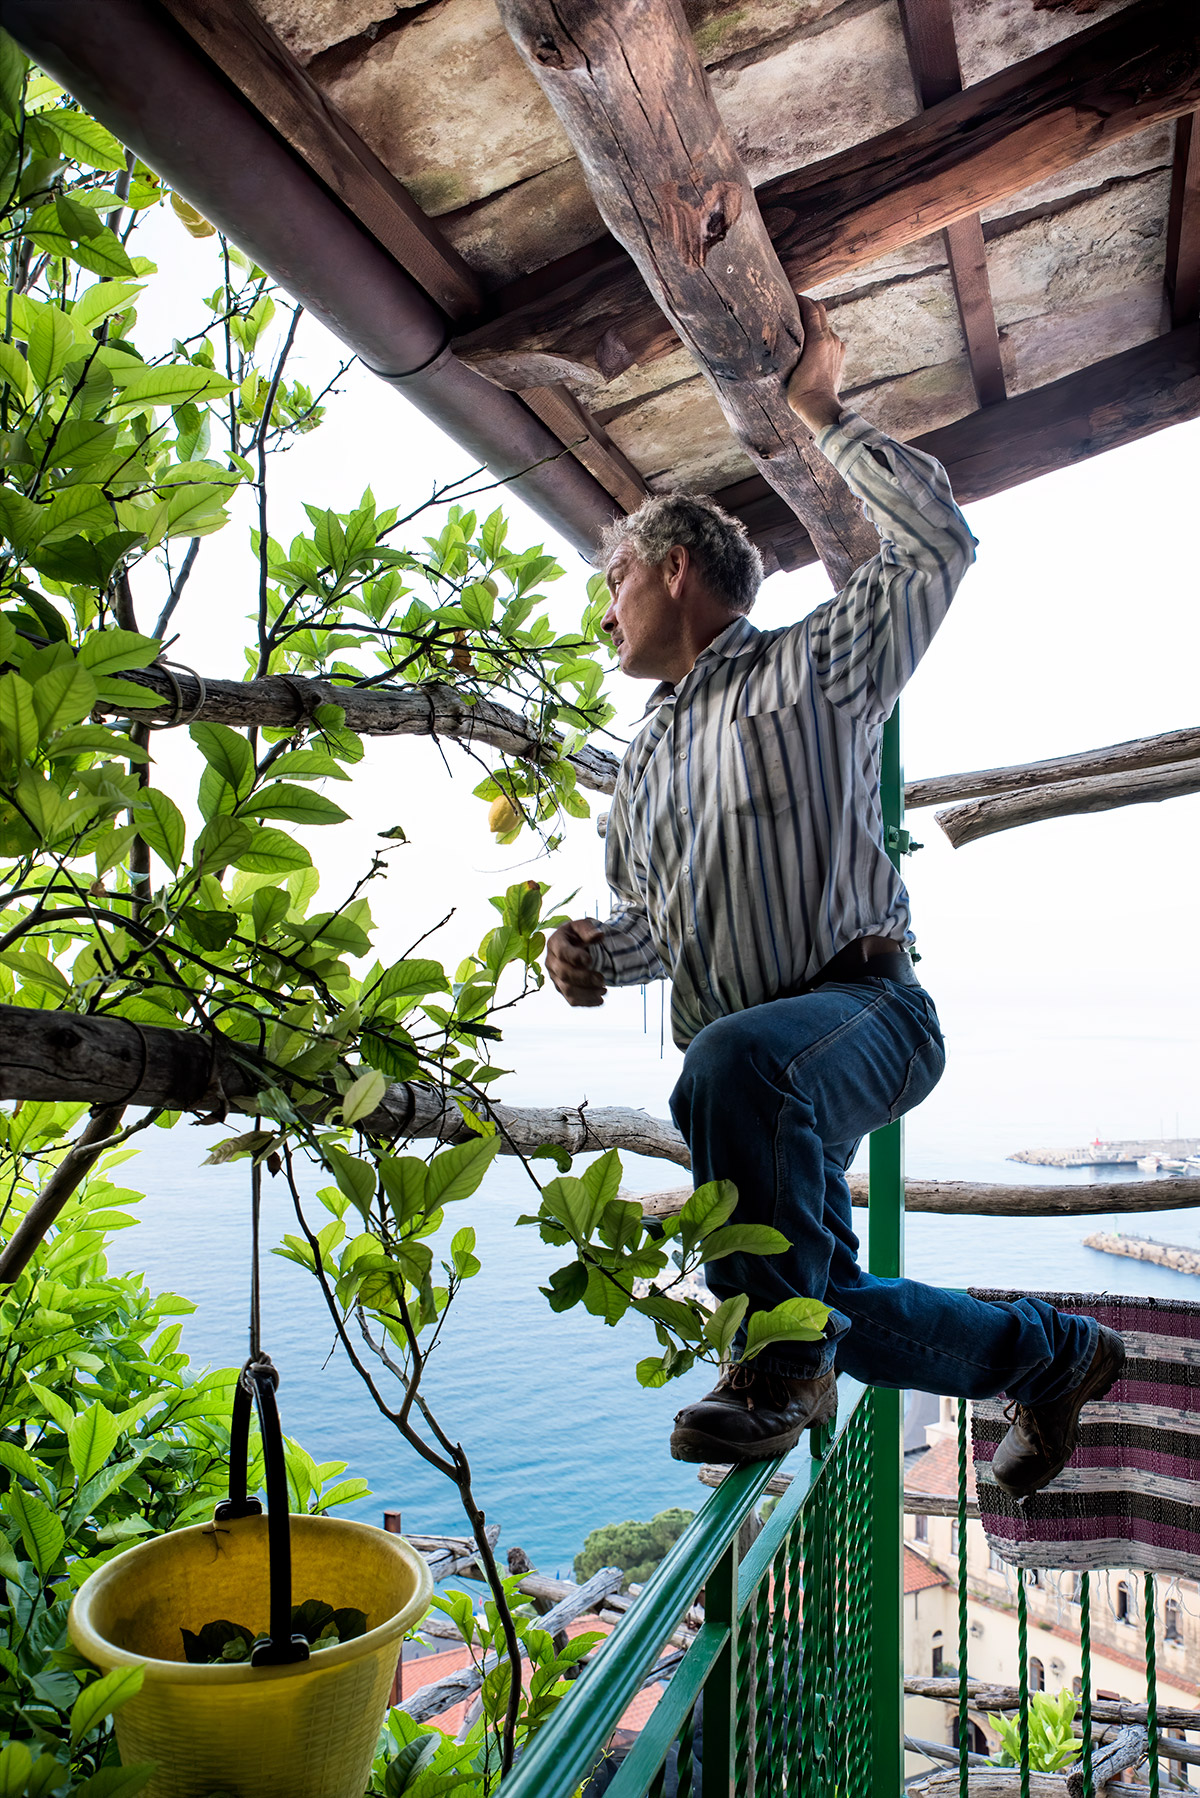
[[1022, 1417], [774, 1388]]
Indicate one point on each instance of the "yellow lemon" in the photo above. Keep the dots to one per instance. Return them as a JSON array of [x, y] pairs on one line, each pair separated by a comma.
[[503, 816]]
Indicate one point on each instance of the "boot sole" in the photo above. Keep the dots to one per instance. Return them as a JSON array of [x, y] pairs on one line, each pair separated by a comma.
[[697, 1445], [1101, 1382]]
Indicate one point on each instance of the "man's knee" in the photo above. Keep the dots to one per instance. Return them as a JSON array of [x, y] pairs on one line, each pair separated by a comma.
[[720, 1053]]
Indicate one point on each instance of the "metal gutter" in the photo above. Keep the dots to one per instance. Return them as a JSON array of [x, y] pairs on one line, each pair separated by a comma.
[[128, 63]]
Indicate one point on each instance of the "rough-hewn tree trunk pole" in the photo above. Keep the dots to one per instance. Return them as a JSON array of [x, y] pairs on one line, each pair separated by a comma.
[[967, 1198], [431, 710], [1030, 120], [1067, 798], [63, 1055], [1115, 758], [625, 80]]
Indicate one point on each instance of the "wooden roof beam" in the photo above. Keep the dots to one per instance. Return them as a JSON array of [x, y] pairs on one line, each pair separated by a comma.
[[937, 75], [968, 152], [1100, 407], [630, 92], [260, 65], [1183, 224]]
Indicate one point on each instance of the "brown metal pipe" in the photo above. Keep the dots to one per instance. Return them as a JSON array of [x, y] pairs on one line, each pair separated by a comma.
[[128, 63]]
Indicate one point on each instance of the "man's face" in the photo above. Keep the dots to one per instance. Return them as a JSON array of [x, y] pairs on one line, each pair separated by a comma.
[[643, 615]]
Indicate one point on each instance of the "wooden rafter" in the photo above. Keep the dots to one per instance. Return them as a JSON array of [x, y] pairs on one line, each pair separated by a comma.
[[1109, 403], [1183, 224], [243, 46], [629, 90], [937, 75], [968, 152]]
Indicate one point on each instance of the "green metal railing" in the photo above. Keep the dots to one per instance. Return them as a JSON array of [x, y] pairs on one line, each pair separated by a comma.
[[776, 1692]]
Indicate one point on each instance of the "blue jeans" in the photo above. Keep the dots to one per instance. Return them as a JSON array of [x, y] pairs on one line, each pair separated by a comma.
[[776, 1099]]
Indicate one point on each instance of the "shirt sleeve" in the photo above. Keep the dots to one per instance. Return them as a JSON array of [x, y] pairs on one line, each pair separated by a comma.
[[625, 954], [867, 641]]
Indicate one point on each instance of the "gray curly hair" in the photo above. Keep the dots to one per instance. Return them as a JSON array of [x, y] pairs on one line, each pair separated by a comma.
[[724, 555]]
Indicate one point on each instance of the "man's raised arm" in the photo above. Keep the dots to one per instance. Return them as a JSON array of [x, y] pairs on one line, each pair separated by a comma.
[[868, 640]]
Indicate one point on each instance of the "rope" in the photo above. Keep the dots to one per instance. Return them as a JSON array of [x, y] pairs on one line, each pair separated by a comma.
[[1151, 1688], [1085, 1646], [178, 716], [1023, 1679], [255, 1281], [963, 1700]]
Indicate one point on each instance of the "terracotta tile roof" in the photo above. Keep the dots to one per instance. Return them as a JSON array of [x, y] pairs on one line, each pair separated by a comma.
[[936, 1473], [918, 1574]]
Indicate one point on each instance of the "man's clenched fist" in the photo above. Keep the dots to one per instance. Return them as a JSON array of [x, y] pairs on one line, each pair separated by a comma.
[[569, 962]]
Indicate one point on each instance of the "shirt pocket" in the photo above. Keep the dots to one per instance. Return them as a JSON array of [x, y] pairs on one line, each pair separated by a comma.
[[769, 772]]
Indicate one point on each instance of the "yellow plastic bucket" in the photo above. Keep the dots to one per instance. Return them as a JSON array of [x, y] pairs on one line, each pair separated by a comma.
[[307, 1730]]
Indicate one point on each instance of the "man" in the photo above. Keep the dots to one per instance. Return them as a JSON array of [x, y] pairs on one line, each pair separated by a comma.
[[745, 852]]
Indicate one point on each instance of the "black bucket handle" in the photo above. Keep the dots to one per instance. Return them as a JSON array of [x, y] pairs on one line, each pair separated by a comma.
[[256, 1386]]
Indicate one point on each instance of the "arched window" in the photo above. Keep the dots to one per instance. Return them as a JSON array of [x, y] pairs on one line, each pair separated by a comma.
[[1037, 1676], [1173, 1632], [977, 1742], [1077, 1686], [1123, 1602], [920, 1527]]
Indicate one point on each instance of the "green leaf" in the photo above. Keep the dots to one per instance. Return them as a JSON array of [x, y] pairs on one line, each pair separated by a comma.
[[103, 1697], [227, 751], [567, 1286], [709, 1206], [404, 1179], [16, 372], [18, 718], [114, 650], [91, 1440], [160, 822], [117, 1782], [456, 1172], [97, 303], [355, 1178], [364, 1096], [269, 851], [743, 1239], [41, 1531], [722, 1326], [795, 1320], [411, 980], [602, 1179], [63, 697], [74, 512], [68, 229], [221, 842], [16, 1763], [553, 1151], [171, 385], [12, 77], [466, 1262], [84, 139], [18, 1460], [281, 799], [51, 340]]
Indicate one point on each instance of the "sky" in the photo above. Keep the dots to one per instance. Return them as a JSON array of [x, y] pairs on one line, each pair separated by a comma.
[[1061, 955]]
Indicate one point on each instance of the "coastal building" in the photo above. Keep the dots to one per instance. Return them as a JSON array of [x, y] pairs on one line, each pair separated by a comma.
[[932, 1549]]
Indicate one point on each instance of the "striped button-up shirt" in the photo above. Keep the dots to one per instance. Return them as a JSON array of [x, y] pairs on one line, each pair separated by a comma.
[[745, 844]]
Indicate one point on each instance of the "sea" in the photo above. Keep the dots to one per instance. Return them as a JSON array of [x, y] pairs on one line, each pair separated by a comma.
[[560, 1436]]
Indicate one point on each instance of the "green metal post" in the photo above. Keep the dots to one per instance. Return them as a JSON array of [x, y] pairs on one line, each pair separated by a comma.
[[886, 1258], [718, 1773]]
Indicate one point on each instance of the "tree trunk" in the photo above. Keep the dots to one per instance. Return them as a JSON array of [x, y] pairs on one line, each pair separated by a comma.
[[628, 87]]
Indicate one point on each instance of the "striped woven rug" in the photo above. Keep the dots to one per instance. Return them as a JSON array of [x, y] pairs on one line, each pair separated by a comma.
[[1130, 1495]]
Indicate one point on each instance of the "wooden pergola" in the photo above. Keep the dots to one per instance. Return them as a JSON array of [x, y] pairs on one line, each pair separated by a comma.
[[613, 201]]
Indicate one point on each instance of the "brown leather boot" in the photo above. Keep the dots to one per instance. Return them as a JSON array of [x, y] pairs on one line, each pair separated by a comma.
[[752, 1416], [1043, 1437]]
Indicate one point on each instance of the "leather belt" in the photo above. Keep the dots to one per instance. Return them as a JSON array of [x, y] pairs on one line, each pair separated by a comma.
[[866, 958]]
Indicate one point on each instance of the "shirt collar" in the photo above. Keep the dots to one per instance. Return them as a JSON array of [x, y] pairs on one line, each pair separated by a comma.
[[735, 640]]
